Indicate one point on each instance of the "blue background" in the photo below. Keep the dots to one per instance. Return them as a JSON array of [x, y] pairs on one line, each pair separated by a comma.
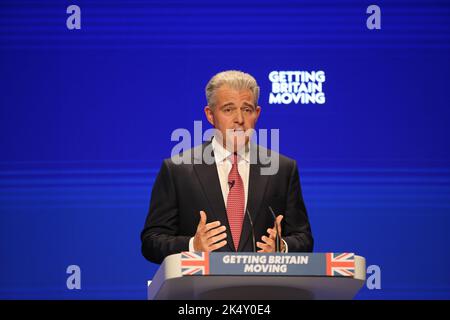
[[86, 118]]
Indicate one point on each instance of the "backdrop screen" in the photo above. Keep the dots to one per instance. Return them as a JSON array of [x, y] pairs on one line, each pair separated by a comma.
[[91, 93]]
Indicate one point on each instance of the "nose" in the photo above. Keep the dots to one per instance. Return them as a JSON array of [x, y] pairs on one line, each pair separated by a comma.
[[239, 119]]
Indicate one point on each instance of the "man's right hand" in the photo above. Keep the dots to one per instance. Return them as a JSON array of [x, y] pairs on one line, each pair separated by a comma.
[[209, 236]]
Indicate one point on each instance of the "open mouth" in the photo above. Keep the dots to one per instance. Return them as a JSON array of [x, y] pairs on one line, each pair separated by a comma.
[[238, 132]]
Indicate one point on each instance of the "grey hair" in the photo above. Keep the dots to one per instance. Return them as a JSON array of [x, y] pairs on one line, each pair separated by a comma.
[[237, 80]]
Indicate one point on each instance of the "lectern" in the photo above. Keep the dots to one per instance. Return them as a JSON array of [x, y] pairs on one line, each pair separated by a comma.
[[258, 276]]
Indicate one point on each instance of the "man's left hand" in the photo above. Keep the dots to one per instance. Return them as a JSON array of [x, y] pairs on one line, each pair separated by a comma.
[[268, 244]]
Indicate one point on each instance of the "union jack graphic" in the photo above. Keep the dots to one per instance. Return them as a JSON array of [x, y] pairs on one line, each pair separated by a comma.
[[340, 264], [194, 263]]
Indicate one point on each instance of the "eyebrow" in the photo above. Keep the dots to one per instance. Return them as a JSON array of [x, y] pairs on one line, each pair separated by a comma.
[[230, 104], [249, 104]]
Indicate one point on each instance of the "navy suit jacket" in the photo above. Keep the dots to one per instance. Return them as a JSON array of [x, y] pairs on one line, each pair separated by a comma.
[[181, 191]]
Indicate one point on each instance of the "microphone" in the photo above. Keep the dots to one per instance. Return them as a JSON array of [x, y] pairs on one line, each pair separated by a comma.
[[253, 229], [278, 237], [231, 184]]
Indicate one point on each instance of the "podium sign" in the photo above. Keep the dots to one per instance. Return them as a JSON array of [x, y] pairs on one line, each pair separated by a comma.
[[286, 264], [226, 275]]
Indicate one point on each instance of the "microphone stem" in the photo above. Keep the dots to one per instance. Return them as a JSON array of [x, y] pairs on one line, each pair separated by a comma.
[[253, 230], [277, 243], [278, 236]]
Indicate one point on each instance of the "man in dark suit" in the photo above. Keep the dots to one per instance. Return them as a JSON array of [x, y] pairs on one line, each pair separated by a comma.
[[211, 205]]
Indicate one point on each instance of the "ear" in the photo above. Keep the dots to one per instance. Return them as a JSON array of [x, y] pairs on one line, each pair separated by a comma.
[[258, 111], [209, 115]]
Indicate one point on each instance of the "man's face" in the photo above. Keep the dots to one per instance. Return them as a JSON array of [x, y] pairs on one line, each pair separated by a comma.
[[235, 112]]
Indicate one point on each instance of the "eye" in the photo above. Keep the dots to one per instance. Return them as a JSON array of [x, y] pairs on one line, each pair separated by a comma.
[[227, 110]]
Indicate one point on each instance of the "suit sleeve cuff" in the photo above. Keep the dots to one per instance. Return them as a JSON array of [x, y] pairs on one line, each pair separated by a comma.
[[191, 244], [286, 249]]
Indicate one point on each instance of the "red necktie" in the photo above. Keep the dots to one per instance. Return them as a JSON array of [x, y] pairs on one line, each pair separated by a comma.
[[235, 202]]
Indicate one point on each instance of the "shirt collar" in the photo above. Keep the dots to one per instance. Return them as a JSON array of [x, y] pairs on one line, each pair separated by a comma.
[[220, 153]]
